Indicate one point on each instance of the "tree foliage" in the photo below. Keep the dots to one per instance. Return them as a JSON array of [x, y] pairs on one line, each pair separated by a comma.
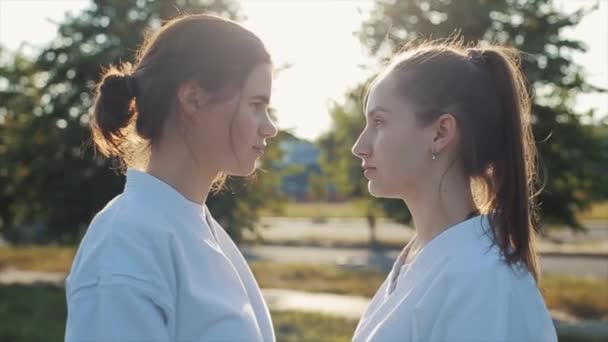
[[52, 182]]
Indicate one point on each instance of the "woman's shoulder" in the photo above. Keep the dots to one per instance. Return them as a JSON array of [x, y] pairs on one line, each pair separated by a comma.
[[123, 240], [474, 252], [126, 215], [489, 279], [482, 287], [492, 268]]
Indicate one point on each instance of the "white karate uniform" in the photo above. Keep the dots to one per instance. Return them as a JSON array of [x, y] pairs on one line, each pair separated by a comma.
[[458, 288], [154, 266]]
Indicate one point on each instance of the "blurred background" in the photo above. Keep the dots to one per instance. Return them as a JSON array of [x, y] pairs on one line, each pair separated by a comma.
[[318, 244]]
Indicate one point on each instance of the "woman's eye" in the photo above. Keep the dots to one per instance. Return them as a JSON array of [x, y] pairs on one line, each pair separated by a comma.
[[259, 106], [377, 122]]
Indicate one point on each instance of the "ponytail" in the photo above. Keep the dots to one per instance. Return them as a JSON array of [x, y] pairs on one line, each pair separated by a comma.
[[512, 173]]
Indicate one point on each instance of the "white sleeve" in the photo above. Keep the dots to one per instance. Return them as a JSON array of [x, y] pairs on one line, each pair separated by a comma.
[[115, 312]]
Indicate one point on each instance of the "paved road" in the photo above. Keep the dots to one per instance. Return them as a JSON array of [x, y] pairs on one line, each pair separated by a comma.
[[351, 229], [359, 257], [356, 229]]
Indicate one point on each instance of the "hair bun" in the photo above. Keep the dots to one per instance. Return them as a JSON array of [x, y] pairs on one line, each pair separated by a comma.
[[476, 56], [118, 85]]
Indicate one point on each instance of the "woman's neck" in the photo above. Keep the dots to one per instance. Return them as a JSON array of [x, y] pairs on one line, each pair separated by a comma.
[[436, 210], [173, 164]]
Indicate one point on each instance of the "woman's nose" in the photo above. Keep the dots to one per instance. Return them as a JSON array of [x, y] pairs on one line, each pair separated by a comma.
[[359, 149], [268, 129]]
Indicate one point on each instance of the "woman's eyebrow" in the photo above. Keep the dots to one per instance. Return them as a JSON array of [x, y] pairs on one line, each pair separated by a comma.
[[263, 98], [376, 110]]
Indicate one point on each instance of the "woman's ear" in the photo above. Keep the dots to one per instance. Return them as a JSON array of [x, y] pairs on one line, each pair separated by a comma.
[[444, 128], [191, 99]]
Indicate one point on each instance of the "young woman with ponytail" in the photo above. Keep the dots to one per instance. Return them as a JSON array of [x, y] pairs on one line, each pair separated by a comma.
[[448, 131], [154, 265]]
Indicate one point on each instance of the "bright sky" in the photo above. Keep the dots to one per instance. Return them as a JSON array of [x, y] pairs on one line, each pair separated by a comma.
[[316, 38]]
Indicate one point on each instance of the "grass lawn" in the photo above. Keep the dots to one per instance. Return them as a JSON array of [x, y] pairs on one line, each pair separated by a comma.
[[316, 278], [32, 313], [349, 209], [42, 258], [355, 208], [292, 326], [598, 211], [580, 297]]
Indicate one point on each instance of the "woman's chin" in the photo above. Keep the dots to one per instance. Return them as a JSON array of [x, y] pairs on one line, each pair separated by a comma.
[[374, 189], [243, 170], [253, 168], [379, 191]]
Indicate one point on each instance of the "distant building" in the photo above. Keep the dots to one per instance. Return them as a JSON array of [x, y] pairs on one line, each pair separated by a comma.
[[300, 161]]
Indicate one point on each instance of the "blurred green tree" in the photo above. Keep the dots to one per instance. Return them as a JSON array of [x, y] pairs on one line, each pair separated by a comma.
[[318, 192], [572, 158], [18, 92], [52, 182]]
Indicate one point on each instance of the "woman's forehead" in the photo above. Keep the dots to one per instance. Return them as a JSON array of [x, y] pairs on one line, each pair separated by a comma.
[[259, 79], [385, 93], [383, 90]]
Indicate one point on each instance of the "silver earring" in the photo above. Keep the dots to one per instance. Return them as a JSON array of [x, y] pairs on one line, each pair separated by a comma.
[[434, 156]]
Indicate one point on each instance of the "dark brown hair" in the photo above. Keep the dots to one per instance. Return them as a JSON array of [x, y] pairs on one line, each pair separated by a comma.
[[487, 94], [132, 102]]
